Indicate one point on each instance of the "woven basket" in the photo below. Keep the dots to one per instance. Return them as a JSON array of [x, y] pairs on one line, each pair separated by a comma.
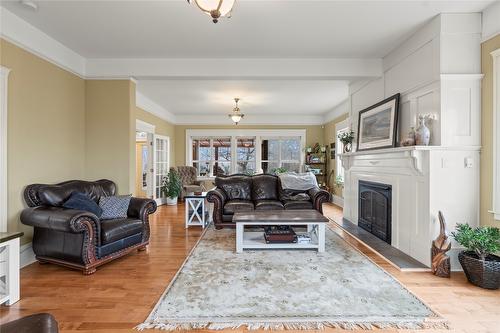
[[482, 273]]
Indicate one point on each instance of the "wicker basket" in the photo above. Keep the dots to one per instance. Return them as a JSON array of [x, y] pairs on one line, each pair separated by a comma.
[[482, 273]]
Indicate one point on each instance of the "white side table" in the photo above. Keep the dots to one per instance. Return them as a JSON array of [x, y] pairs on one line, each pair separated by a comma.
[[9, 267], [196, 209]]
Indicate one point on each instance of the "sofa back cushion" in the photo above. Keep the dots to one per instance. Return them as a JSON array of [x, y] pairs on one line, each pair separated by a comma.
[[265, 187], [56, 195], [235, 187]]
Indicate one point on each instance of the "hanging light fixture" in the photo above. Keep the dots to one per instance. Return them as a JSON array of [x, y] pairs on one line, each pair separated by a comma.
[[215, 8], [236, 115]]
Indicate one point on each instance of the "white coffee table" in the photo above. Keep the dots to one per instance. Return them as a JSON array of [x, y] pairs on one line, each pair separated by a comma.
[[314, 221]]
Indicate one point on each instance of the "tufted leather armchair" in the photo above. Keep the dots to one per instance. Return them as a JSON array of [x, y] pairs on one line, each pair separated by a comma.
[[188, 179], [238, 193], [79, 239]]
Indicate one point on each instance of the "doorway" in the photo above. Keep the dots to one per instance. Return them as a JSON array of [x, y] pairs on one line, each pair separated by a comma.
[[143, 165]]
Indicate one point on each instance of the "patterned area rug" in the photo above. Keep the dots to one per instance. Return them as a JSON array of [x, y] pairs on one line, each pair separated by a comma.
[[285, 289]]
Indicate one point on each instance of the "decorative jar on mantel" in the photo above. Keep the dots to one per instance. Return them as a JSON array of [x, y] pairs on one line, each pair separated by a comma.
[[422, 134]]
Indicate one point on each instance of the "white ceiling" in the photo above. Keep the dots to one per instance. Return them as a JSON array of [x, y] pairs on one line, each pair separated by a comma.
[[265, 28], [258, 97], [136, 30]]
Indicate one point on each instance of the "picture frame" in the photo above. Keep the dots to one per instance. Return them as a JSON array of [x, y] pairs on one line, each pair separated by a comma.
[[378, 125]]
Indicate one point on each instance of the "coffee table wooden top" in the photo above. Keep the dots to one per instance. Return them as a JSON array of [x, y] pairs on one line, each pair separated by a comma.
[[280, 216]]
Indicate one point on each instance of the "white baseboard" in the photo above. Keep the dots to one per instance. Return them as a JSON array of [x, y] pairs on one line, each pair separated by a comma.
[[339, 201], [27, 255]]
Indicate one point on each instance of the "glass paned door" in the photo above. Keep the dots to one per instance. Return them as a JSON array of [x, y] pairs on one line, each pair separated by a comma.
[[161, 164]]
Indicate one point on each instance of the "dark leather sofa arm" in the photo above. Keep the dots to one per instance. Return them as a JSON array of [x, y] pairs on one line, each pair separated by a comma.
[[58, 219], [318, 197], [218, 198], [140, 207]]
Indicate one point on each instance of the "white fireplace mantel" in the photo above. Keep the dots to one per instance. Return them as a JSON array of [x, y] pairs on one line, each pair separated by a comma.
[[424, 180]]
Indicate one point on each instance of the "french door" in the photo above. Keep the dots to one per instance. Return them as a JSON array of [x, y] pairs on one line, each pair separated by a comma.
[[161, 155]]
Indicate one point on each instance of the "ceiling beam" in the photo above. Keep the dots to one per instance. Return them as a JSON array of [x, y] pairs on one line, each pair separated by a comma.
[[237, 69]]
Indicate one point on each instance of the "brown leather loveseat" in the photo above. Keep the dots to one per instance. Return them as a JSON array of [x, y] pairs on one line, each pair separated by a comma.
[[77, 238], [237, 193]]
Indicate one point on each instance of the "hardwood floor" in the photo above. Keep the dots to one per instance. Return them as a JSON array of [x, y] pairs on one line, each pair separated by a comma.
[[121, 294]]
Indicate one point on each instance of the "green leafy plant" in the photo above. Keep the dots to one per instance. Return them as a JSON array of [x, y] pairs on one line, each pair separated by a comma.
[[339, 181], [346, 137], [171, 185], [482, 240], [279, 170]]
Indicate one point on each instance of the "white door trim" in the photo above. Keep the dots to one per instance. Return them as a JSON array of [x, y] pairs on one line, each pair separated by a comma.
[[4, 79], [496, 134], [143, 126], [159, 200]]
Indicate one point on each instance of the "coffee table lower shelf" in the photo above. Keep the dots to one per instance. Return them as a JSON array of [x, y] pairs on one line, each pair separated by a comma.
[[255, 240]]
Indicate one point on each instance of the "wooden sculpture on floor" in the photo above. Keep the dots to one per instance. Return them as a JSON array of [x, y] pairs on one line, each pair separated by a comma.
[[441, 245]]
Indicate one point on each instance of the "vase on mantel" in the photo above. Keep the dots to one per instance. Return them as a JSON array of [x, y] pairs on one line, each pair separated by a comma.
[[347, 147], [422, 133]]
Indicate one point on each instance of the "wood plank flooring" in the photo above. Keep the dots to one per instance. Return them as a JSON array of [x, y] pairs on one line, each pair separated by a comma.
[[122, 293]]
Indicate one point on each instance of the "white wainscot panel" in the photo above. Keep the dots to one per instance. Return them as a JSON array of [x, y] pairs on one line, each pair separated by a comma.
[[461, 110], [423, 101], [417, 69]]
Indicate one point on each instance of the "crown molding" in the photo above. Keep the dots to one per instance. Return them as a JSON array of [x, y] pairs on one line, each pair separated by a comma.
[[19, 32], [339, 110], [152, 107]]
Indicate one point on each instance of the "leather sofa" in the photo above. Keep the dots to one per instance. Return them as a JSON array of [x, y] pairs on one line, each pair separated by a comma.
[[79, 239], [238, 193], [36, 323]]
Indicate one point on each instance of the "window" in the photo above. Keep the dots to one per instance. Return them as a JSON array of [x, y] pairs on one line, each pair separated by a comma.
[[212, 155], [246, 155], [282, 153], [340, 128], [223, 152]]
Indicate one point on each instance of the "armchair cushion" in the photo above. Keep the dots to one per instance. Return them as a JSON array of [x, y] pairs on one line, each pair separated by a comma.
[[56, 218], [114, 207], [264, 187], [268, 205], [56, 195], [80, 201], [237, 205], [116, 229], [294, 204], [235, 187]]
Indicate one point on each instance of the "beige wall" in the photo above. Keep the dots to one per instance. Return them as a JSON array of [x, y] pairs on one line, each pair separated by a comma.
[[487, 131], [46, 126], [110, 132], [313, 134], [330, 136], [162, 127]]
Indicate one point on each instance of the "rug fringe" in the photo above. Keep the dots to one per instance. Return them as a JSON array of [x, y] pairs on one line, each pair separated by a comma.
[[313, 325]]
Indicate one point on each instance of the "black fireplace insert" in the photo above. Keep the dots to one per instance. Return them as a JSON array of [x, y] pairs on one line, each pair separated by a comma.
[[375, 209]]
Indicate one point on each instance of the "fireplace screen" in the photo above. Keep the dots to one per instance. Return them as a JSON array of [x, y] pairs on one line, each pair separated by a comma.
[[374, 207]]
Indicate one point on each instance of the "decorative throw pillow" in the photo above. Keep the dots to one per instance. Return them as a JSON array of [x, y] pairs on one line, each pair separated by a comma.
[[80, 201], [114, 207]]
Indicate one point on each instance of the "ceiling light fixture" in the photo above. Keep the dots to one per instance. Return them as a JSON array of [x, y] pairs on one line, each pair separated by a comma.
[[236, 115], [30, 4], [215, 8]]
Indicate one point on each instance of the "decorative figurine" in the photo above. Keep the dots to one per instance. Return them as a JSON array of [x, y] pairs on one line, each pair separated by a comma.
[[440, 260]]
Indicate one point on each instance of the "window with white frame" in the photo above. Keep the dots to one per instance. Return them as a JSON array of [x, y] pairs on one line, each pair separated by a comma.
[[340, 128], [223, 152], [281, 153]]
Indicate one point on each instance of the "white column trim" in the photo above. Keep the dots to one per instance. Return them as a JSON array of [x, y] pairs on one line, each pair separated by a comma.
[[496, 134], [4, 79]]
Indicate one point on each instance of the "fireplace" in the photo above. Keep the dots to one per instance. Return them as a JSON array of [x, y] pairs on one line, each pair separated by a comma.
[[374, 207]]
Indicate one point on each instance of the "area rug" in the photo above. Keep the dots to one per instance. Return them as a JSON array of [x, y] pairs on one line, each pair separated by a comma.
[[285, 289]]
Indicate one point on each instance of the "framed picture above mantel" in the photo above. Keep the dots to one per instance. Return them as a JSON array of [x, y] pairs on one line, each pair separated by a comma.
[[377, 125]]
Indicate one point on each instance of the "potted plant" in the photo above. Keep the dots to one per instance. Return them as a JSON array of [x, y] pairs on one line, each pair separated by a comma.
[[346, 138], [171, 187], [480, 265]]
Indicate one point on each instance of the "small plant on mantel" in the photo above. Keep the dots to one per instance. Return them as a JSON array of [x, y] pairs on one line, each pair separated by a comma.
[[480, 265], [346, 138]]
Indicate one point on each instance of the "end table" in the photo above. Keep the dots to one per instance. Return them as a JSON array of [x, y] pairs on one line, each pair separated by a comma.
[[196, 209], [9, 242]]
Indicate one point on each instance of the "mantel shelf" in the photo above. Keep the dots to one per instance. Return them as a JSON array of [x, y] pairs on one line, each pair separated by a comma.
[[410, 148]]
